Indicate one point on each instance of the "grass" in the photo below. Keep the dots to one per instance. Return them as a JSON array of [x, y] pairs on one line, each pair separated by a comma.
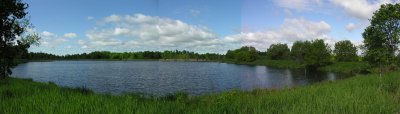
[[360, 94], [347, 67]]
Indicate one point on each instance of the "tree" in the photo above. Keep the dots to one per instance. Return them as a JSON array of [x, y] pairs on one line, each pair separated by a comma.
[[381, 37], [317, 54], [24, 43], [244, 54], [247, 54], [13, 24], [278, 52], [398, 59], [298, 50], [345, 51]]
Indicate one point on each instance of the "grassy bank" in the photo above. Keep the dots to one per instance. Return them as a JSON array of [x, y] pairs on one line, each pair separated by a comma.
[[347, 67], [361, 94]]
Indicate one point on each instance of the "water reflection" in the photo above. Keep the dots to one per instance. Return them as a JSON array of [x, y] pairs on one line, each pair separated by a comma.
[[160, 78]]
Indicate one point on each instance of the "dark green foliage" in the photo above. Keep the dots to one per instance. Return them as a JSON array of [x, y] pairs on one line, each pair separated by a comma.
[[180, 96], [12, 25], [317, 54], [43, 56], [278, 52], [347, 67], [298, 50], [345, 51], [381, 38], [23, 45], [129, 55], [244, 54], [398, 59]]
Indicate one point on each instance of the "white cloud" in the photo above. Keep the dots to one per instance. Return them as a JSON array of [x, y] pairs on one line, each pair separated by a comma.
[[351, 26], [51, 40], [143, 32], [112, 18], [70, 35], [83, 44], [301, 5], [291, 30], [150, 33], [47, 34], [103, 38], [360, 9], [120, 31]]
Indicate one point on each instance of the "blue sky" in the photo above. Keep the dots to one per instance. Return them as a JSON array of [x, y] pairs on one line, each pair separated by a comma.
[[72, 26]]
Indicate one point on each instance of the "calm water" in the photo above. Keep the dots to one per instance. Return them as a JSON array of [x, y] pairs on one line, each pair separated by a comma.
[[160, 78]]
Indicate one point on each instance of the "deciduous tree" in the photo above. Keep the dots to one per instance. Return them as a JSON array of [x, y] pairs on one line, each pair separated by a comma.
[[345, 51], [299, 49], [278, 52], [317, 54], [381, 37], [13, 24]]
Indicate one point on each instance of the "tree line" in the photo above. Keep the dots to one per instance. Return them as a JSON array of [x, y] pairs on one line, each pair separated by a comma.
[[313, 53], [129, 55]]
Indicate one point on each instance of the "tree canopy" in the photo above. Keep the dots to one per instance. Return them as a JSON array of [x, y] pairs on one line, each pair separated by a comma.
[[299, 49], [243, 54], [381, 37], [317, 54], [131, 55], [345, 51], [13, 24], [278, 52]]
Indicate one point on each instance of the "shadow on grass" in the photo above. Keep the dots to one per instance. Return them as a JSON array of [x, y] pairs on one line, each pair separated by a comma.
[[82, 90], [179, 96]]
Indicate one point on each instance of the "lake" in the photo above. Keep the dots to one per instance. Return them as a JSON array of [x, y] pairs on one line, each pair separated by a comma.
[[161, 77]]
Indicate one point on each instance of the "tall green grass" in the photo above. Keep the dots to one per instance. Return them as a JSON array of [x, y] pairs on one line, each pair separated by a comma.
[[360, 94], [347, 67]]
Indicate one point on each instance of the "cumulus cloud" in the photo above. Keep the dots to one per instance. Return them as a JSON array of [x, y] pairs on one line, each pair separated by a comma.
[[351, 26], [150, 32], [51, 40], [83, 44], [143, 32], [360, 9], [47, 34], [301, 5], [291, 30], [70, 35]]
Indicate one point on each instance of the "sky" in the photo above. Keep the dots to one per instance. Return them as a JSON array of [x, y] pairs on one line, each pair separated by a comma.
[[82, 26]]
